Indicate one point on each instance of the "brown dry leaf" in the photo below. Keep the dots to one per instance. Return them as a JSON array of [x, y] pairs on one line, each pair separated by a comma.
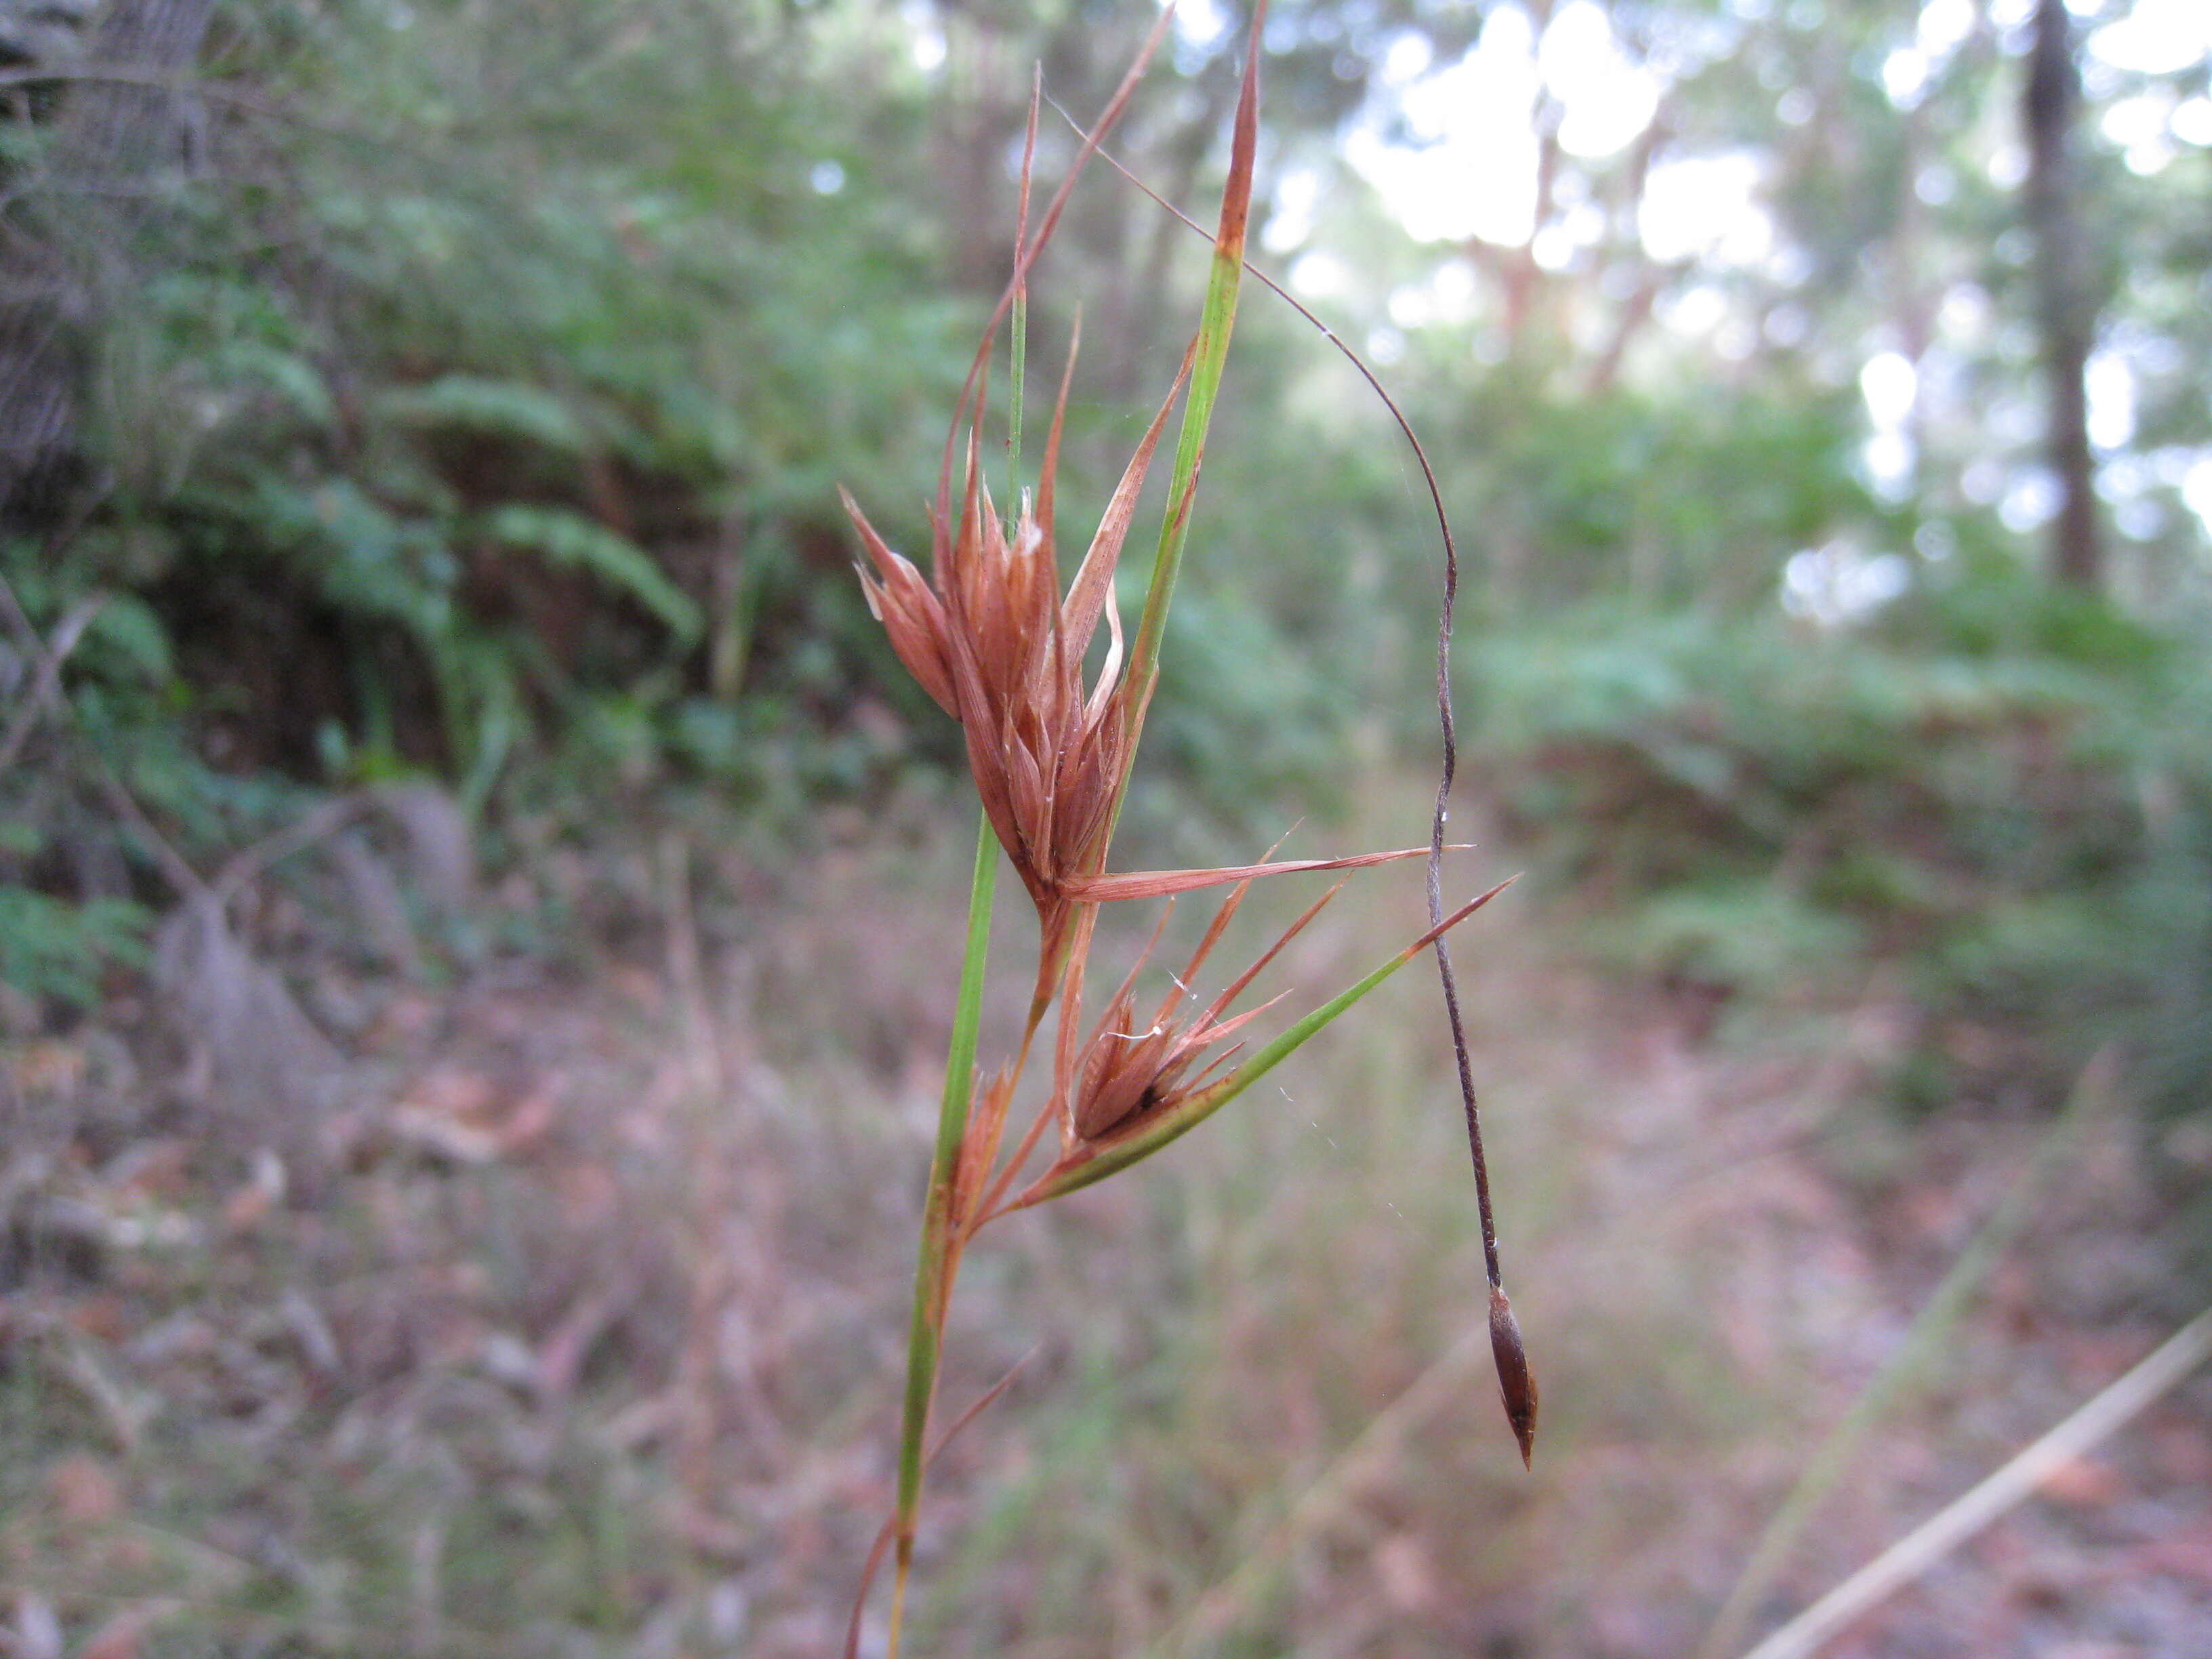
[[1405, 1572], [406, 1018], [84, 1490], [453, 1092], [2186, 1554], [2182, 1451], [103, 1317], [151, 1169], [2082, 1481], [246, 1207], [446, 1138], [122, 1637], [586, 1192], [47, 1067], [528, 1123], [639, 986], [465, 1117], [560, 1358]]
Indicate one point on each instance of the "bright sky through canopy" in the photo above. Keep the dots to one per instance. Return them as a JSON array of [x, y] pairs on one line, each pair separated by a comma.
[[1470, 167], [1453, 150]]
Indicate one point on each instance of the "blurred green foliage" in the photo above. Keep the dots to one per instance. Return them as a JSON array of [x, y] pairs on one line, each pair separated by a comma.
[[452, 417], [2007, 823]]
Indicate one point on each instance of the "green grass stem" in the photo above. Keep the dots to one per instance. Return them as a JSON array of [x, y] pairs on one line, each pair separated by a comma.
[[1209, 361], [1016, 371], [933, 1270]]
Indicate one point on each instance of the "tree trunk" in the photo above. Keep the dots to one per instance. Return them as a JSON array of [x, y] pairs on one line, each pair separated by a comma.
[[111, 140], [2066, 314]]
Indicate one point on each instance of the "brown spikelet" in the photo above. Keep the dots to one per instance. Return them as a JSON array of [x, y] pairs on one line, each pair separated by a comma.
[[1128, 1070], [989, 636], [901, 600], [1516, 1382]]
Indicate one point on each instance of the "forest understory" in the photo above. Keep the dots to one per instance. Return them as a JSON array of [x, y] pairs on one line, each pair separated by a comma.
[[481, 880], [569, 1321]]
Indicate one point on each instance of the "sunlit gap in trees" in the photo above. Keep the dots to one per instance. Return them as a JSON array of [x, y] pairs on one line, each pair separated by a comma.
[[1454, 148], [1470, 169]]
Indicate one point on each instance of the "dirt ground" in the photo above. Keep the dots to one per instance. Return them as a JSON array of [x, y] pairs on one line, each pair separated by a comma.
[[569, 1320]]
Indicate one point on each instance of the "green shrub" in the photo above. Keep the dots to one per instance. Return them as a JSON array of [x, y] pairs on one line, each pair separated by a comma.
[[2003, 794]]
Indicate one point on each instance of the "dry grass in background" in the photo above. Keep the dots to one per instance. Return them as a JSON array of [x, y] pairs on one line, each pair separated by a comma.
[[581, 1331]]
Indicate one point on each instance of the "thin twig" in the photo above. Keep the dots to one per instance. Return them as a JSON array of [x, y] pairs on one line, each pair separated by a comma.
[[52, 653], [173, 865], [243, 867], [324, 818]]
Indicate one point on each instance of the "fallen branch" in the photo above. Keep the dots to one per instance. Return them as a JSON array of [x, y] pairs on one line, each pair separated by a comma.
[[1935, 1538]]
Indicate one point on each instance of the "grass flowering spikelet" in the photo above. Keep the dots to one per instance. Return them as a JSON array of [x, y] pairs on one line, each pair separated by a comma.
[[989, 634], [1125, 1075], [991, 639]]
